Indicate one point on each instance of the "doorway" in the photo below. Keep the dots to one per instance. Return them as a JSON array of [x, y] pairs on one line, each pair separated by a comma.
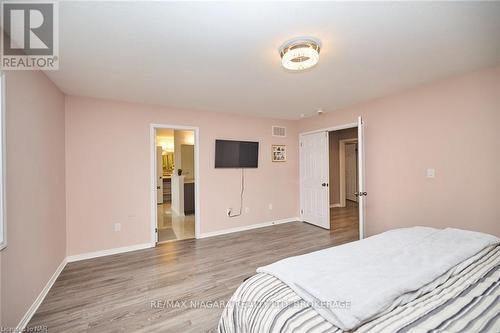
[[343, 166], [175, 213], [348, 168], [332, 179]]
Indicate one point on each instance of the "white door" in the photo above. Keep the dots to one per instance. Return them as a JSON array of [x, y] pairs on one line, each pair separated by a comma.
[[361, 179], [159, 175], [314, 178], [351, 174]]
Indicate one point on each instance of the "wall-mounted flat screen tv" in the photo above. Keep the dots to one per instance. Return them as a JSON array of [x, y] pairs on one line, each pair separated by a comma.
[[236, 154]]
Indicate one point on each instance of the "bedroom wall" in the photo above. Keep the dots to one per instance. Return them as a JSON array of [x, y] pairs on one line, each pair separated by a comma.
[[36, 229], [108, 171], [449, 125], [452, 126]]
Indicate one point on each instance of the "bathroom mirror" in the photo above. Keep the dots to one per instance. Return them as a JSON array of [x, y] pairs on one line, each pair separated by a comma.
[[168, 163]]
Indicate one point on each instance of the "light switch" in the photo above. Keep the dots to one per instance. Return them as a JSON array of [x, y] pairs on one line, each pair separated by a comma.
[[431, 173]]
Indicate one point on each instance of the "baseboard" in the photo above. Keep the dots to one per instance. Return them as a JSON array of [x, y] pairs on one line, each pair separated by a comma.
[[96, 254], [335, 205], [247, 227], [31, 311]]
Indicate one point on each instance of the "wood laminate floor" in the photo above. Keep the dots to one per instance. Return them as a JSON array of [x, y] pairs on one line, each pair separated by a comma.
[[130, 292]]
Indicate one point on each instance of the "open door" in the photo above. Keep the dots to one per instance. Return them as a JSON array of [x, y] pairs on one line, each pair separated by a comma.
[[159, 175], [361, 179], [314, 179]]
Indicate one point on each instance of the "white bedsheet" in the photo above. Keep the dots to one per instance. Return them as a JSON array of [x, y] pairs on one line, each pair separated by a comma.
[[352, 283]]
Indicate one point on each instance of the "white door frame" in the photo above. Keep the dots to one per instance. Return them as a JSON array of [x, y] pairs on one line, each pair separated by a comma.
[[334, 128], [361, 178], [154, 206], [362, 219], [342, 144], [159, 180]]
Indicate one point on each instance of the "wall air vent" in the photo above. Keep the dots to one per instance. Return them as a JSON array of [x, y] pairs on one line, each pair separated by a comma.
[[279, 131]]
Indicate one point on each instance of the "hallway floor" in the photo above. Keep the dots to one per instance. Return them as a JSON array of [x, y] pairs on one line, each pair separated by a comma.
[[344, 220], [172, 226]]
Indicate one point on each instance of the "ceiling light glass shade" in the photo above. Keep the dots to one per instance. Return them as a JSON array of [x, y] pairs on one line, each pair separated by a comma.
[[300, 54]]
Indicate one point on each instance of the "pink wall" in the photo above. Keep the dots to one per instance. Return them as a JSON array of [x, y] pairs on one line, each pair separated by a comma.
[[108, 171], [36, 229], [452, 126]]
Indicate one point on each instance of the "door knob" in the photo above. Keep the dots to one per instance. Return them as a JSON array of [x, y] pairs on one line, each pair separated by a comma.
[[356, 193], [157, 187], [324, 184]]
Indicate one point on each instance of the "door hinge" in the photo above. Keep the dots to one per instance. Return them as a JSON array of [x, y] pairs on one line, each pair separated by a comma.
[[301, 211], [301, 144], [156, 230]]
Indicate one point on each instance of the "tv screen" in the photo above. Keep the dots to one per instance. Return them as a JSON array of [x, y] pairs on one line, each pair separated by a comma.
[[236, 154]]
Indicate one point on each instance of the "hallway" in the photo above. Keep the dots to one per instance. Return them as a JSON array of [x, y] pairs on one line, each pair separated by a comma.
[[344, 220], [173, 227]]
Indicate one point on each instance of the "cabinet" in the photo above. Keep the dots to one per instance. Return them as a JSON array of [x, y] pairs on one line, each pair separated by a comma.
[[188, 198], [167, 189]]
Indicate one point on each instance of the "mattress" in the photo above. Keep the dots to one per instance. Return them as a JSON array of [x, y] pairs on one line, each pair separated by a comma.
[[468, 301]]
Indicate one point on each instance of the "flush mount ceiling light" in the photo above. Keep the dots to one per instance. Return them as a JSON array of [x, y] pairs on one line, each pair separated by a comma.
[[299, 54]]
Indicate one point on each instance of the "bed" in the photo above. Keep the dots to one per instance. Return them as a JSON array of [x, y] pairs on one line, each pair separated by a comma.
[[417, 280]]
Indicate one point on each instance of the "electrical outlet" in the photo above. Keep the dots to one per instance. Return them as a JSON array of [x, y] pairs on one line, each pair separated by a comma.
[[247, 210], [228, 211], [118, 227], [270, 206], [430, 173]]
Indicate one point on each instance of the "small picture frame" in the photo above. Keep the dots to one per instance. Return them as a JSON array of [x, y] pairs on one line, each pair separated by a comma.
[[278, 153]]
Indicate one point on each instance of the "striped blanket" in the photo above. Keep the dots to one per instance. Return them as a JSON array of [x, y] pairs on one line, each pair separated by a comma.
[[468, 301]]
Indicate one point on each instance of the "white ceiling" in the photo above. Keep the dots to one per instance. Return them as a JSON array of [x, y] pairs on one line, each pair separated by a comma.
[[224, 56]]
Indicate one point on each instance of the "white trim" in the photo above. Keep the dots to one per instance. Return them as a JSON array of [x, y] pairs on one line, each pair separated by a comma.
[[248, 227], [31, 311], [154, 205], [331, 129], [361, 177], [108, 252], [335, 205], [342, 169], [3, 166]]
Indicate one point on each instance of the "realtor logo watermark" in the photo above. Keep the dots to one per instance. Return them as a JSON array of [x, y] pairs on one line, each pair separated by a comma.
[[30, 35]]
